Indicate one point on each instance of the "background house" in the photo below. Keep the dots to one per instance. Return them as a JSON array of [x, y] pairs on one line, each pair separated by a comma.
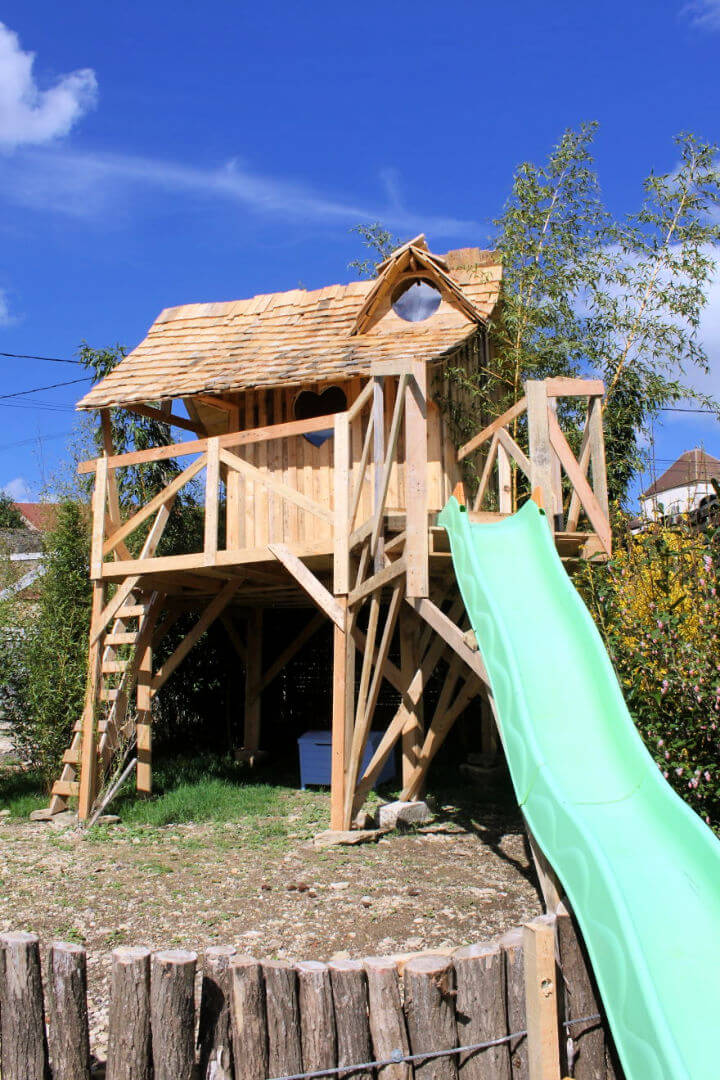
[[684, 488]]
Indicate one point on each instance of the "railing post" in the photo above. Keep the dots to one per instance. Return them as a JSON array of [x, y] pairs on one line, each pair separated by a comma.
[[98, 515], [416, 460], [598, 463], [556, 478], [378, 413], [539, 441], [212, 482], [504, 481], [342, 468]]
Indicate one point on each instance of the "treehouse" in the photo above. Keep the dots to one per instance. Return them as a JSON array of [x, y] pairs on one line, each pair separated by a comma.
[[328, 428]]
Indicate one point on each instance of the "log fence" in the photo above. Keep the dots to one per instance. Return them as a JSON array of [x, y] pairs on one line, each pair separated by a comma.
[[522, 1007]]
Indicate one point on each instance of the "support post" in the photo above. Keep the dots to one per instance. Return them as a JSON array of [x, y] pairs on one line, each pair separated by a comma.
[[539, 440], [504, 480], [413, 732], [234, 507], [541, 1002], [88, 753], [341, 554], [341, 648], [143, 724], [556, 478], [416, 460], [253, 675], [378, 414]]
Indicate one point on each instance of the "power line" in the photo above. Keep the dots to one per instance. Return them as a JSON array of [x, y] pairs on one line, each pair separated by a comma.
[[50, 359], [51, 386], [670, 408]]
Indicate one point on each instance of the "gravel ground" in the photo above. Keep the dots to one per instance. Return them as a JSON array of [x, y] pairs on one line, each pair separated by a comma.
[[264, 887]]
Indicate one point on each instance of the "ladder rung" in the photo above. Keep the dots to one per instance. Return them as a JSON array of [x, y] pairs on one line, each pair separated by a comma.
[[66, 788], [128, 638], [109, 695], [130, 611], [71, 757], [111, 667]]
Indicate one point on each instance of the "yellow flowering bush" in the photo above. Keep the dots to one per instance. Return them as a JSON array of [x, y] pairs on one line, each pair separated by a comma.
[[656, 604]]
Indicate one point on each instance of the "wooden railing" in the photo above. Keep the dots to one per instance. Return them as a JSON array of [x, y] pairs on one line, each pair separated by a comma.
[[549, 456]]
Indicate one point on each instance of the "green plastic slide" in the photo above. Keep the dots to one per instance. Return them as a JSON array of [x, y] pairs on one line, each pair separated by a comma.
[[641, 870]]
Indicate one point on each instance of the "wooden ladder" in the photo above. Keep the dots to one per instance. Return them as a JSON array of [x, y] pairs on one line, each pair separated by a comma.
[[118, 677]]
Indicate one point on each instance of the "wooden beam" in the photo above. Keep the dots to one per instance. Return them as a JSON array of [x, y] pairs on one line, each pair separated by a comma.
[[238, 644], [541, 999], [162, 417], [417, 551], [381, 489], [377, 581], [451, 634], [366, 709], [342, 522], [211, 612], [199, 446], [566, 387], [309, 583], [143, 722], [253, 671], [598, 461], [378, 415], [360, 401], [98, 518], [539, 443], [505, 495], [112, 488], [88, 759], [412, 732], [443, 719], [506, 440], [592, 507], [487, 472], [159, 500], [362, 469], [212, 485], [499, 422], [235, 502], [339, 725], [230, 559]]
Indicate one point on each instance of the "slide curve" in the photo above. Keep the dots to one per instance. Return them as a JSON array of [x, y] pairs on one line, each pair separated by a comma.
[[641, 870]]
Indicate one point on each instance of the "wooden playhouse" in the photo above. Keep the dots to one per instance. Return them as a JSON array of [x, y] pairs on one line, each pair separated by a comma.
[[327, 423]]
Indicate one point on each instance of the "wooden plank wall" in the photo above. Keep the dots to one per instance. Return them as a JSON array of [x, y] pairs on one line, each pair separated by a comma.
[[309, 469]]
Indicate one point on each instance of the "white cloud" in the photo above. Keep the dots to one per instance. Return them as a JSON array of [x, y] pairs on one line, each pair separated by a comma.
[[6, 318], [18, 489], [704, 14], [91, 184], [29, 115]]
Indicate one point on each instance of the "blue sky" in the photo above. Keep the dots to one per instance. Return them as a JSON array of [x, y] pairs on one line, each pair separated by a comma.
[[157, 154]]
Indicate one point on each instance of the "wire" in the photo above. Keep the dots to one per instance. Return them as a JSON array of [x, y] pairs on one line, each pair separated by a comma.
[[50, 359], [671, 408], [36, 439], [51, 386]]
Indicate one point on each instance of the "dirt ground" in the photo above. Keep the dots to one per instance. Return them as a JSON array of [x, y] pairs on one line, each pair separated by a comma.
[[264, 887]]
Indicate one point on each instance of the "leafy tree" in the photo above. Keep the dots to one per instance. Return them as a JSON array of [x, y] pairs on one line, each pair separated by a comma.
[[584, 294], [10, 516], [43, 646], [377, 238]]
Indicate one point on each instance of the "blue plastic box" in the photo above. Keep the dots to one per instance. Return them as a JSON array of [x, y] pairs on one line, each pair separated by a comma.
[[315, 749]]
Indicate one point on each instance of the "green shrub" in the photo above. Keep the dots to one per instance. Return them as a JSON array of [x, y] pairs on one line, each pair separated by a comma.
[[657, 606]]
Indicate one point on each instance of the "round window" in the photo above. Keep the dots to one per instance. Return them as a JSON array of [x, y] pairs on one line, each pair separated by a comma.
[[415, 300]]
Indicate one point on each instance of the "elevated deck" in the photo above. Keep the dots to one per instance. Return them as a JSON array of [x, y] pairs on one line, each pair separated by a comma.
[[363, 551]]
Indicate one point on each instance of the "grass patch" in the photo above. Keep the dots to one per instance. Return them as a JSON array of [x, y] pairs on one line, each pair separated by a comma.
[[200, 789], [21, 791]]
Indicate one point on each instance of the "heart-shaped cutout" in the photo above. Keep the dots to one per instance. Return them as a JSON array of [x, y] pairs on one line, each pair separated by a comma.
[[308, 405]]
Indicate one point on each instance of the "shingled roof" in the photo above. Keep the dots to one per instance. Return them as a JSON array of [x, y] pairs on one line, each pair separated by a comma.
[[290, 338], [692, 467]]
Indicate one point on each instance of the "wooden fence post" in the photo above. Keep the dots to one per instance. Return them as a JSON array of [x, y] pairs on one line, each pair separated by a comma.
[[481, 1011], [317, 1016], [512, 947], [172, 1014], [249, 1021], [22, 1016], [350, 1000], [541, 999], [214, 1034], [129, 1054], [67, 1004], [429, 983], [283, 1019], [387, 1020]]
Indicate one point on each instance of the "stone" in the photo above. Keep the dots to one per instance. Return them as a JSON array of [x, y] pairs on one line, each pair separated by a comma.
[[4, 813], [341, 837], [403, 813], [364, 820]]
